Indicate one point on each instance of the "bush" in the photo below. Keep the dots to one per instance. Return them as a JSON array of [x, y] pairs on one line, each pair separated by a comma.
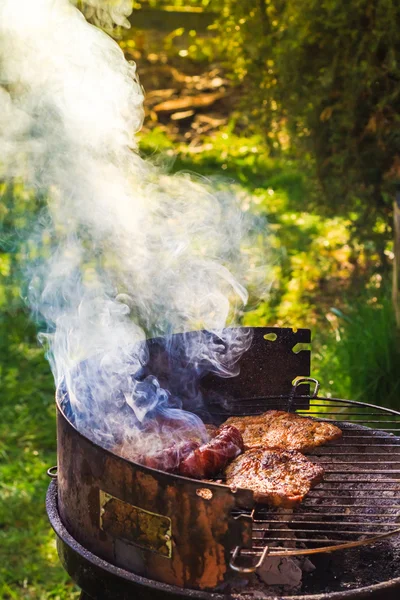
[[364, 364], [327, 73]]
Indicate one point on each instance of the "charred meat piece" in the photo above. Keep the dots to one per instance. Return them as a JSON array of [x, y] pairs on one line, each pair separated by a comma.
[[167, 459], [170, 458], [279, 429], [211, 430], [212, 457], [277, 477]]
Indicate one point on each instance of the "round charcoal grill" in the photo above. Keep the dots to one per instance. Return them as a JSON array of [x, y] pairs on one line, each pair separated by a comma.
[[127, 529]]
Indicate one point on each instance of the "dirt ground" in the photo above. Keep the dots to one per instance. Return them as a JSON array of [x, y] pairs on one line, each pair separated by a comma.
[[186, 99]]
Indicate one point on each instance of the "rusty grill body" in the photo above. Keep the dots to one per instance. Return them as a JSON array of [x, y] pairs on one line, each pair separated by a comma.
[[193, 535]]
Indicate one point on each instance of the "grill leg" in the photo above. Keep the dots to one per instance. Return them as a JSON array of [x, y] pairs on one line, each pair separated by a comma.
[[84, 596]]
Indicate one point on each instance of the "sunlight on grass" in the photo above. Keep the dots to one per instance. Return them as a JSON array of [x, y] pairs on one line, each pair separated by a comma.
[[48, 550], [29, 567]]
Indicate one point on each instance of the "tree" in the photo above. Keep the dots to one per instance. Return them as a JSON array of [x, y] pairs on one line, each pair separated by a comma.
[[328, 71]]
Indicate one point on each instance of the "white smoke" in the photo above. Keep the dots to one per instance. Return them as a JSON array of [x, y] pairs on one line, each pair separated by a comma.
[[128, 251], [106, 13]]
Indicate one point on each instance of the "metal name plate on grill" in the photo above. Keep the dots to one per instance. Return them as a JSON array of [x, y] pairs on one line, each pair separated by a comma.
[[142, 528]]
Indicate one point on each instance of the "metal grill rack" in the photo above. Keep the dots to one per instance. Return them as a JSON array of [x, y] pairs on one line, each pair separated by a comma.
[[358, 501]]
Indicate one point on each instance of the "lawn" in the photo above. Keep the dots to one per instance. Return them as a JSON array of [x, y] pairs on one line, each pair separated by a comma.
[[29, 566]]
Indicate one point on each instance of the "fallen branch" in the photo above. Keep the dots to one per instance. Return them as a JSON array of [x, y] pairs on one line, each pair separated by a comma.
[[189, 102]]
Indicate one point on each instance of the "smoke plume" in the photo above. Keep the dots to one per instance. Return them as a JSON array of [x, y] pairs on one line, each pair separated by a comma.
[[124, 250], [106, 13]]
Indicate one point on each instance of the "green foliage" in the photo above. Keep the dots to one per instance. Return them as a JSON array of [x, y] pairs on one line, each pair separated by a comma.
[[327, 74], [307, 255], [29, 566], [364, 362], [18, 207], [178, 4]]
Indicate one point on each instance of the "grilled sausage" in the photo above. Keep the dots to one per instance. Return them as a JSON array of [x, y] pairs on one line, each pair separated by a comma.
[[212, 457], [170, 458]]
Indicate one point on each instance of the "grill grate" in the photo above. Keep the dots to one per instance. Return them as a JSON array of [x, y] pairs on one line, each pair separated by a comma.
[[359, 498]]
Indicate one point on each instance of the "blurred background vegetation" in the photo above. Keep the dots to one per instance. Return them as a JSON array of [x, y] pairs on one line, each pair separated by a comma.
[[296, 104]]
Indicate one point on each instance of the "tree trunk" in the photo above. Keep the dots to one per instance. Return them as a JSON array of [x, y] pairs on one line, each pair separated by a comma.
[[396, 262]]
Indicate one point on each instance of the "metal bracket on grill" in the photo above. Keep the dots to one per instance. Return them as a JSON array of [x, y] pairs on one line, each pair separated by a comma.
[[301, 381], [253, 568]]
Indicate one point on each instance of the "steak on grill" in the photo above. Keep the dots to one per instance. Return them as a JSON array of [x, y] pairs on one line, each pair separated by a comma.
[[212, 457], [280, 429], [276, 477]]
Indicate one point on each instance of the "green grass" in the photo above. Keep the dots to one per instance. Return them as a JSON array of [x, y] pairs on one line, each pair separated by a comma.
[[364, 363], [310, 273], [29, 567]]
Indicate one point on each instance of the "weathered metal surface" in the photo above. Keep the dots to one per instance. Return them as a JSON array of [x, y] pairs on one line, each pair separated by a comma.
[[269, 367], [145, 529], [85, 468], [101, 580], [266, 371], [202, 530]]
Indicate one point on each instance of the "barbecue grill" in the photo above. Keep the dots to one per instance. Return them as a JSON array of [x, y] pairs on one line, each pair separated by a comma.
[[125, 529]]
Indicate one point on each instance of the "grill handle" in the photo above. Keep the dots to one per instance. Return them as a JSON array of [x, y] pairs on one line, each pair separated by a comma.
[[236, 555], [300, 381]]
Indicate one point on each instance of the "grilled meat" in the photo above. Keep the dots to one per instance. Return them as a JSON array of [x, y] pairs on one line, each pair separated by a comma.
[[277, 477], [211, 430], [170, 458], [212, 457], [167, 459], [279, 429]]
